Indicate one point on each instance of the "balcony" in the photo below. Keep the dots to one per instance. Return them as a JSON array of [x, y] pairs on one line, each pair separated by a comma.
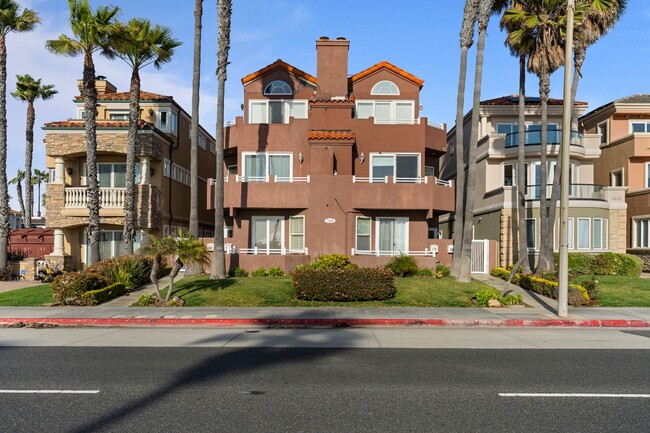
[[534, 138], [576, 192], [109, 198], [267, 192], [380, 253], [419, 193]]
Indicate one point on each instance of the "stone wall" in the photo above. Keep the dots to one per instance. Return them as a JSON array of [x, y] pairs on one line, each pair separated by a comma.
[[617, 230], [74, 143]]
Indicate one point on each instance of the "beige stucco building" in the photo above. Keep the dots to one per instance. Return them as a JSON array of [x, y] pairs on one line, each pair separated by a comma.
[[597, 212], [162, 173]]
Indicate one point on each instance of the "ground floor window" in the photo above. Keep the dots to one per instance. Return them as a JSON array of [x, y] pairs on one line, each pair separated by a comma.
[[641, 233], [268, 233], [111, 244], [531, 233], [363, 237], [297, 233], [392, 235], [584, 235]]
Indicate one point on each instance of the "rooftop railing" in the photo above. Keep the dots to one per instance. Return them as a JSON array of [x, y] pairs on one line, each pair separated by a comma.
[[577, 191], [533, 138]]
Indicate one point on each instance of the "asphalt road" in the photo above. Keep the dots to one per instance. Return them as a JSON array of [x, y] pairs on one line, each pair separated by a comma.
[[321, 390]]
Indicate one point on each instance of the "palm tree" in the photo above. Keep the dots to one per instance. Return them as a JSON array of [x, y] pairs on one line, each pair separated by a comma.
[[522, 242], [466, 41], [186, 251], [194, 157], [485, 9], [600, 17], [39, 177], [224, 12], [28, 90], [537, 25], [91, 30], [138, 44], [12, 19], [20, 175], [156, 248]]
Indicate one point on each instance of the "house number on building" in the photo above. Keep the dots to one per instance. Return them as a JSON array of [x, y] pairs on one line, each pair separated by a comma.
[[330, 220]]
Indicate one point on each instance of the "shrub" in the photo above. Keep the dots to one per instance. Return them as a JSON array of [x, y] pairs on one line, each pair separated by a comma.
[[146, 300], [259, 272], [426, 273], [135, 269], [333, 261], [361, 284], [68, 288], [578, 295], [403, 266], [238, 272], [631, 266], [442, 271], [6, 274], [501, 273], [17, 254], [276, 271], [94, 297], [483, 297], [591, 285], [579, 263], [606, 264]]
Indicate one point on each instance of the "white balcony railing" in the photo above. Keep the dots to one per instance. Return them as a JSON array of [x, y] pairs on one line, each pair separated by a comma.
[[276, 179], [108, 197], [386, 179], [266, 251], [427, 252]]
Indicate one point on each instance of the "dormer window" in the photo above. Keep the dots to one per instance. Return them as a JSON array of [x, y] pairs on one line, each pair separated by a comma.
[[278, 87], [384, 88]]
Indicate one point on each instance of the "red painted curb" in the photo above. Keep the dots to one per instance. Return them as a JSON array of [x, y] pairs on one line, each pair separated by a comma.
[[334, 323]]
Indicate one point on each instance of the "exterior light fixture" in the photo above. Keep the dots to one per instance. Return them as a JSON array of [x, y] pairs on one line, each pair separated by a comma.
[[69, 171], [362, 157], [300, 158]]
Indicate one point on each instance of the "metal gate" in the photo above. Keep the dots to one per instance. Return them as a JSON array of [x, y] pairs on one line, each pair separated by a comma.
[[480, 256]]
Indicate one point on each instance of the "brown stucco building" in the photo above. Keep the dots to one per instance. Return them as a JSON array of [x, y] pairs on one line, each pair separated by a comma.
[[623, 128], [332, 164], [162, 174]]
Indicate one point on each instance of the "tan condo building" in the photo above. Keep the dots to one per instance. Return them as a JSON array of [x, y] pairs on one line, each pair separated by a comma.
[[162, 174]]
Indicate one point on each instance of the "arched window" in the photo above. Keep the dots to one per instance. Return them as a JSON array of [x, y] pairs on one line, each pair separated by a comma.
[[384, 88], [278, 87]]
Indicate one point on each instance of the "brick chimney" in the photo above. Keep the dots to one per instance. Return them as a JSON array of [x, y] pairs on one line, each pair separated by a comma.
[[332, 67], [102, 85]]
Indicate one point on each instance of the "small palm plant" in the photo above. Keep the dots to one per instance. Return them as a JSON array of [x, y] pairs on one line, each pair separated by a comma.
[[156, 248]]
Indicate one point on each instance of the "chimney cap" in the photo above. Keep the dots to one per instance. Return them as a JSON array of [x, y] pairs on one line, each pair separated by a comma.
[[341, 38], [324, 38], [100, 77]]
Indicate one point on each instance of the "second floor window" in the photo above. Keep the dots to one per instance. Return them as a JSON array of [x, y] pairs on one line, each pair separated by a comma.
[[276, 110], [387, 111], [405, 167], [258, 167], [111, 175], [119, 115], [167, 121], [641, 126], [533, 134]]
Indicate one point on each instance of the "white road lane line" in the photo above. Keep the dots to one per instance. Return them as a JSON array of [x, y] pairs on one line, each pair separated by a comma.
[[49, 391], [574, 395]]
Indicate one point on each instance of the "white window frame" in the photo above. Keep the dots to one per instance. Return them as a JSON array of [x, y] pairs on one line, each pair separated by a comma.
[[356, 233], [393, 110], [291, 234], [514, 174], [268, 166], [589, 234], [647, 174], [172, 122], [593, 233], [621, 172], [288, 109], [604, 138], [638, 224], [280, 83], [84, 174], [570, 233], [646, 122], [394, 155], [385, 84], [167, 168], [118, 112], [202, 141], [534, 247], [406, 233], [228, 232], [267, 219]]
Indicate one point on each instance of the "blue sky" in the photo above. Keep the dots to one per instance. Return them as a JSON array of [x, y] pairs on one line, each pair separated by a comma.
[[420, 36]]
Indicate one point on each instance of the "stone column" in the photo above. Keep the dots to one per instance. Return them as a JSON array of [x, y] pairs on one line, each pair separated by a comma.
[[58, 243], [483, 131], [59, 259], [59, 170], [145, 175]]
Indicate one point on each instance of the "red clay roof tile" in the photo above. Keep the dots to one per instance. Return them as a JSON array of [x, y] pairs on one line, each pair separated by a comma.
[[387, 65], [331, 134], [275, 65]]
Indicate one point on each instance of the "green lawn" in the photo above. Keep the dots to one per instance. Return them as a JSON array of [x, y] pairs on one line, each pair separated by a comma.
[[622, 291], [277, 292], [28, 297]]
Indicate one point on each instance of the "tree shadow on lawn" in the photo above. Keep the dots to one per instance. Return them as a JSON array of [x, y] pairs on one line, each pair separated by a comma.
[[201, 284]]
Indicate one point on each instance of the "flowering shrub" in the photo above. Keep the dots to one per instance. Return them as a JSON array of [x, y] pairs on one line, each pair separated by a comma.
[[361, 284], [578, 295]]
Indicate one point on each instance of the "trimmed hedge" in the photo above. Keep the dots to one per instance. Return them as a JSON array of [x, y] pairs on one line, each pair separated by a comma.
[[344, 285], [624, 265], [94, 297], [69, 287], [578, 295]]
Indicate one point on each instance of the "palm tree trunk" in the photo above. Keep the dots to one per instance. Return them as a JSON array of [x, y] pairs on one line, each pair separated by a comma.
[[544, 89], [38, 211], [4, 188], [465, 276], [19, 194], [521, 167], [218, 256], [153, 276], [90, 105], [130, 199], [29, 150], [194, 157], [172, 275], [578, 60], [466, 41]]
